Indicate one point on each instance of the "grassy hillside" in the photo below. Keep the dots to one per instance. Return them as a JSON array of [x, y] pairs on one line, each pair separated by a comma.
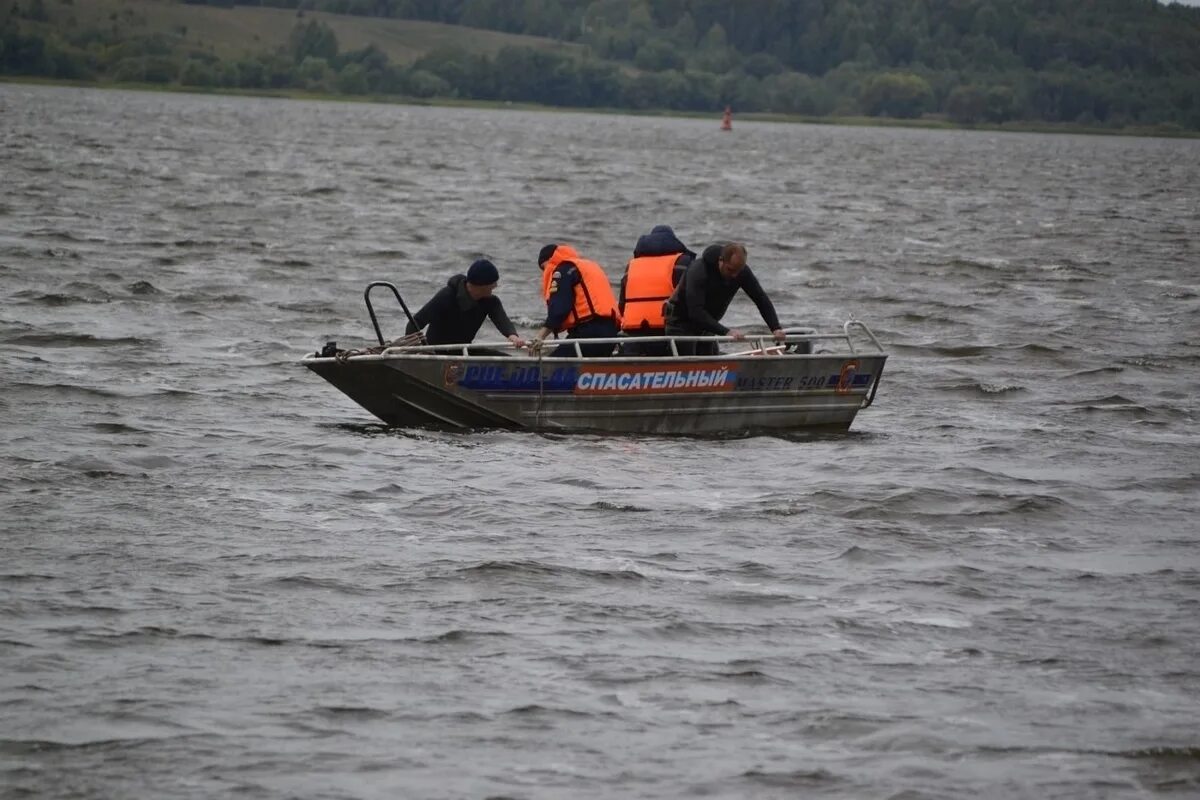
[[1117, 65], [230, 33]]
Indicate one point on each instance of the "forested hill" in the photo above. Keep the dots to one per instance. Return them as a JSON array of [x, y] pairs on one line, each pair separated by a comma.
[[1111, 63]]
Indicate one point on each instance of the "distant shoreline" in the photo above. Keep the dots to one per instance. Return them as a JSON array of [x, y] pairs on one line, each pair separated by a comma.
[[928, 123]]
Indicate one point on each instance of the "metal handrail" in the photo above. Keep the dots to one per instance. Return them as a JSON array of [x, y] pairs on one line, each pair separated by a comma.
[[759, 342], [870, 334], [755, 344], [371, 309]]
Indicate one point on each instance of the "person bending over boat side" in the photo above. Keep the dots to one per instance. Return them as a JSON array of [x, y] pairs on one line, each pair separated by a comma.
[[659, 261], [579, 300], [704, 294], [455, 314]]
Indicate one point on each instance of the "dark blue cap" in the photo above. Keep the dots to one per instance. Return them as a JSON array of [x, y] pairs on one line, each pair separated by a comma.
[[483, 273]]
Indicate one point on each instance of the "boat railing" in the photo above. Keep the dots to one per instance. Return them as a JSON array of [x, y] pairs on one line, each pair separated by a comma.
[[796, 342], [371, 308], [854, 324]]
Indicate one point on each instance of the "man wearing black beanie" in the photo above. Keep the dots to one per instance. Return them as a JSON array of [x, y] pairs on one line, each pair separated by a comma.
[[455, 314]]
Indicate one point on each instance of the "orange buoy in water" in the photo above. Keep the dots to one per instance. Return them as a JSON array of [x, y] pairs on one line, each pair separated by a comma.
[[727, 119]]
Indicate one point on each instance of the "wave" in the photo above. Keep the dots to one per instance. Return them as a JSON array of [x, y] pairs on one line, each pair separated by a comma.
[[793, 779], [939, 504], [115, 427], [324, 584], [526, 322], [918, 317], [1113, 403], [387, 490], [26, 576], [42, 747], [983, 389], [864, 555], [143, 289], [980, 263], [311, 307], [388, 255], [68, 389], [156, 632], [352, 712], [15, 643], [63, 236], [458, 636], [78, 340], [1146, 362], [1070, 270], [65, 389], [199, 298], [1161, 753], [197, 243], [205, 205], [792, 507], [57, 299], [98, 468], [972, 350], [539, 710], [607, 505], [1184, 753], [537, 568], [1174, 483], [1096, 371]]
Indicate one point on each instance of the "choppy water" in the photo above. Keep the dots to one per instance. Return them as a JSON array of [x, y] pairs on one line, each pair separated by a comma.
[[218, 577]]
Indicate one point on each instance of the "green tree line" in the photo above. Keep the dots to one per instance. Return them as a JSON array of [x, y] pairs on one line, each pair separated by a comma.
[[1097, 62]]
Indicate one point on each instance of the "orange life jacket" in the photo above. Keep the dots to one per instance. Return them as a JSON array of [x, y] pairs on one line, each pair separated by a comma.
[[647, 287], [593, 295]]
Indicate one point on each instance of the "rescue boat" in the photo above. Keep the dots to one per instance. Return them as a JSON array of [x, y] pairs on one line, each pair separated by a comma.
[[811, 381]]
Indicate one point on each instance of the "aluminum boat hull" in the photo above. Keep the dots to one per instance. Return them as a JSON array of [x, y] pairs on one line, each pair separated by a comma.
[[719, 395]]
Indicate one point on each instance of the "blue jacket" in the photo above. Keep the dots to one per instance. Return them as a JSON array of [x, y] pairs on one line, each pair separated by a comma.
[[660, 241]]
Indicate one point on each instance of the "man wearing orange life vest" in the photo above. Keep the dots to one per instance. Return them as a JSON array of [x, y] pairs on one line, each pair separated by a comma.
[[659, 261], [579, 300]]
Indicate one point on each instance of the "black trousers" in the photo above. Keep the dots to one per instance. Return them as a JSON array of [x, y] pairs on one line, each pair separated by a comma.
[[603, 328], [635, 348], [691, 348]]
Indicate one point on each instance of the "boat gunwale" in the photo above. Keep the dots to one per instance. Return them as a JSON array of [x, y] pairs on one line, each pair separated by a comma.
[[767, 347]]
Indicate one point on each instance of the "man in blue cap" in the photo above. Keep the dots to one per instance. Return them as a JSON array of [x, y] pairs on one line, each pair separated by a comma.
[[455, 314]]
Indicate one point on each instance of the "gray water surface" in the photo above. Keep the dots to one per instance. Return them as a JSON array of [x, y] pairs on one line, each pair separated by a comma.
[[219, 577]]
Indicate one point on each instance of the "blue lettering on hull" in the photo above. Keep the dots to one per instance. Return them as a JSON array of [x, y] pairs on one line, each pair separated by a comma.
[[503, 378]]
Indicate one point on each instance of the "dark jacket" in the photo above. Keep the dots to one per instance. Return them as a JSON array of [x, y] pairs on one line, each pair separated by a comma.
[[660, 241], [454, 318], [562, 299], [703, 296]]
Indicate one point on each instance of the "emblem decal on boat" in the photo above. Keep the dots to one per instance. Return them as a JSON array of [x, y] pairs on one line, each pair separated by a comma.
[[452, 373], [625, 379]]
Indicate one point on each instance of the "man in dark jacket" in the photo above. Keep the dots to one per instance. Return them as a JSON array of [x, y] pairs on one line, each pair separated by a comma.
[[455, 314], [704, 294], [658, 263]]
